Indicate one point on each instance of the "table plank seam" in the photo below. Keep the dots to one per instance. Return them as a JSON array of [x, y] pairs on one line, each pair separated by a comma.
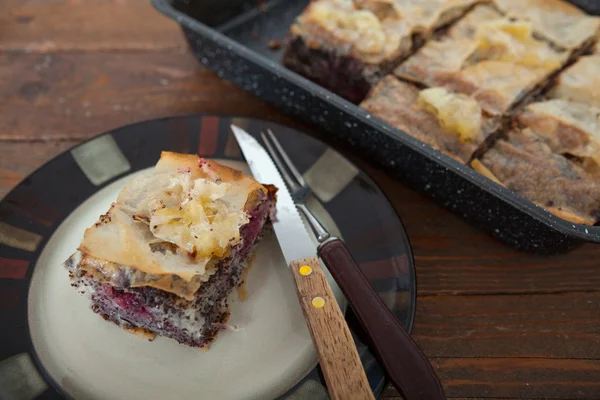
[[504, 293], [17, 50]]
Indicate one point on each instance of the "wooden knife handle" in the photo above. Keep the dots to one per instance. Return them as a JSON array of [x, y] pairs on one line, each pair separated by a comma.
[[407, 367], [338, 357]]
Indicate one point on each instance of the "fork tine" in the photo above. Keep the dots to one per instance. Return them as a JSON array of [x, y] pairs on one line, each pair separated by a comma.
[[286, 159], [280, 165]]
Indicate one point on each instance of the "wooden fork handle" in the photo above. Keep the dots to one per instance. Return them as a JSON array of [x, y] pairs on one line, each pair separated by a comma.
[[404, 362], [338, 357]]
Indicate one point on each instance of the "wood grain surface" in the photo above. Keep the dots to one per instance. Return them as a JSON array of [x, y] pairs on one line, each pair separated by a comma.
[[338, 356], [496, 323]]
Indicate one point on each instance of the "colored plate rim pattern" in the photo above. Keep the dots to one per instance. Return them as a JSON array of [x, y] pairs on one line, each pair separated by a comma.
[[32, 212]]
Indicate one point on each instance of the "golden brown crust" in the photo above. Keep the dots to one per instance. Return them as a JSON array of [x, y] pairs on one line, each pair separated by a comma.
[[385, 29], [488, 56], [424, 16], [437, 62], [527, 166], [396, 102], [571, 216], [568, 215], [140, 332], [466, 27], [568, 128], [150, 208], [552, 7], [558, 21], [440, 61], [338, 26], [483, 170], [171, 160], [580, 82], [497, 84], [561, 135], [112, 273]]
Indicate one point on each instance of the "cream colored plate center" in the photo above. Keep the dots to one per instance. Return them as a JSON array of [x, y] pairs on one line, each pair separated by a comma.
[[94, 359]]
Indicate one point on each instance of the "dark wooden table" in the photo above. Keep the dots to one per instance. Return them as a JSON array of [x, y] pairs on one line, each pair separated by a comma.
[[495, 323]]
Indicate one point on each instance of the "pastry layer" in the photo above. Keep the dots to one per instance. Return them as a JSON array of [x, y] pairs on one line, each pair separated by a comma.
[[525, 164], [486, 55], [450, 122], [347, 46]]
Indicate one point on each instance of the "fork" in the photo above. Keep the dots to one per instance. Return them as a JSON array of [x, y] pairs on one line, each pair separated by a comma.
[[295, 182], [407, 368]]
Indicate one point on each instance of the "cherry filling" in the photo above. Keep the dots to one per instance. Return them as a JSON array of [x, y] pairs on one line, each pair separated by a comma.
[[126, 300]]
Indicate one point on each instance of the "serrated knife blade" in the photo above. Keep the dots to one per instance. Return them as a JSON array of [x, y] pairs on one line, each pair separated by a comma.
[[291, 232]]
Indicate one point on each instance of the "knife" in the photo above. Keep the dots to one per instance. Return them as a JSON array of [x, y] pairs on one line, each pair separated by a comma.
[[405, 364], [338, 357]]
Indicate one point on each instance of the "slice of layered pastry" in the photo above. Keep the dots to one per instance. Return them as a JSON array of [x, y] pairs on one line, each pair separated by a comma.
[[496, 59], [525, 164], [569, 128], [569, 118], [559, 22], [453, 123], [164, 258], [346, 46], [580, 82]]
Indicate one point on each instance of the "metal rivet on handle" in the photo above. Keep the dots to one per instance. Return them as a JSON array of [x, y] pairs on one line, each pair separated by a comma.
[[318, 302], [305, 270]]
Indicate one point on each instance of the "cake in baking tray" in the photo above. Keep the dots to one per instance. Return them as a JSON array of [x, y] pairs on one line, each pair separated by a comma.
[[496, 59], [348, 45], [569, 119], [451, 122], [562, 172], [560, 23], [552, 153], [569, 128], [524, 163], [172, 247], [498, 50], [507, 87]]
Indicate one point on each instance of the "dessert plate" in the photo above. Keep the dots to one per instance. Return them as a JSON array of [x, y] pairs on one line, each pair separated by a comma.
[[53, 346]]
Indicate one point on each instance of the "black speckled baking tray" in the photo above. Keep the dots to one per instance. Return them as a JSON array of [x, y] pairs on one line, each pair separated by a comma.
[[231, 37]]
